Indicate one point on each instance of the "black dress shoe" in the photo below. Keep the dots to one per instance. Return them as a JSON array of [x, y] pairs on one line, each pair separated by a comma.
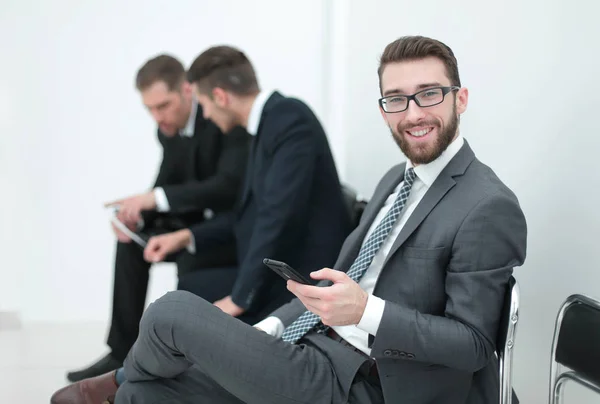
[[104, 365]]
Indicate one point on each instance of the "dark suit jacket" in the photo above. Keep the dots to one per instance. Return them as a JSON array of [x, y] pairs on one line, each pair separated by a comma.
[[291, 209], [444, 282], [201, 172]]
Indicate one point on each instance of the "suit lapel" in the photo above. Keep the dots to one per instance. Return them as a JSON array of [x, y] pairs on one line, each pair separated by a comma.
[[248, 176], [376, 203], [199, 140], [195, 144], [273, 99], [444, 183]]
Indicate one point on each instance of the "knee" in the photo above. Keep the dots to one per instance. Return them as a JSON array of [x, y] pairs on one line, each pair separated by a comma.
[[171, 300], [170, 306]]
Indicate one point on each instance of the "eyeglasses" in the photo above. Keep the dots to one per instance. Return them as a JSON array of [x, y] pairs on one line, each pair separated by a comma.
[[426, 98]]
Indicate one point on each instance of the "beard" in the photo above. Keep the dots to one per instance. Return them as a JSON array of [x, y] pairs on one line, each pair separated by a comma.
[[426, 152]]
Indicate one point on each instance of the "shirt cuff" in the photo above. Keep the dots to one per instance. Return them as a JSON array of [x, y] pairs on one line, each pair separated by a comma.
[[372, 316], [272, 326], [191, 247], [162, 203]]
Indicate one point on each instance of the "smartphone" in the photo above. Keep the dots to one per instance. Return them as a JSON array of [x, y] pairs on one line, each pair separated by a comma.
[[286, 271]]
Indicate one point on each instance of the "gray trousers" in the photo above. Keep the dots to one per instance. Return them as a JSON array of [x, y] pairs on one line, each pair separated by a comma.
[[189, 351]]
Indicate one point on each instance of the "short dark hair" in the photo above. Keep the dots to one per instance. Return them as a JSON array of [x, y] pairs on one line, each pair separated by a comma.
[[418, 47], [160, 68], [225, 67]]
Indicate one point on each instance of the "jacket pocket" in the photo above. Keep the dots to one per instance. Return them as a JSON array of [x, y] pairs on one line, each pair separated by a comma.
[[423, 253]]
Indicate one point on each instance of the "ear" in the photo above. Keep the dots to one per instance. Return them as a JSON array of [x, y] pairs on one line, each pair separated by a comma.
[[220, 97], [462, 99], [186, 89]]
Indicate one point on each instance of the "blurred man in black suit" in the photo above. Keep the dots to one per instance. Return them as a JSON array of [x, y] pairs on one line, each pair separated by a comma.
[[291, 209], [200, 177]]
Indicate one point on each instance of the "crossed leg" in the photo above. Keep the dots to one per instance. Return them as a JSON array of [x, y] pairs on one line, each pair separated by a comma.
[[190, 351]]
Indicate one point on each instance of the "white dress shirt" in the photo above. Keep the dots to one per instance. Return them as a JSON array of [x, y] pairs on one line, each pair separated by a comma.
[[256, 111], [162, 203], [358, 335]]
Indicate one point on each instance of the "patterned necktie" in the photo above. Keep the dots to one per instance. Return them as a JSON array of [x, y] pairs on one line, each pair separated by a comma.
[[308, 320]]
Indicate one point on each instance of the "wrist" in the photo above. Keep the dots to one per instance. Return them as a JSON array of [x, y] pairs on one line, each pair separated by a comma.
[[362, 305], [185, 237], [151, 200]]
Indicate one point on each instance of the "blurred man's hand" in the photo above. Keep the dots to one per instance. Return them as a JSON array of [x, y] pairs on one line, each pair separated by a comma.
[[160, 246], [229, 307], [130, 209]]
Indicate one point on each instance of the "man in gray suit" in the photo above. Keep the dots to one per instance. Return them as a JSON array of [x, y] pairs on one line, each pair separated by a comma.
[[409, 314]]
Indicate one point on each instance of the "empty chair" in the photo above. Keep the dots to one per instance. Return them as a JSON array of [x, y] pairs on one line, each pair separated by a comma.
[[576, 346]]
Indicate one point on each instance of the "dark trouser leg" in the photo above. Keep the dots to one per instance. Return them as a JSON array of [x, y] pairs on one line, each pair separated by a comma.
[[217, 257], [211, 284], [129, 298], [180, 330], [131, 285]]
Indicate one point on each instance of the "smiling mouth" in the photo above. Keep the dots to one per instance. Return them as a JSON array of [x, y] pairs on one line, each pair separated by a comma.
[[420, 132]]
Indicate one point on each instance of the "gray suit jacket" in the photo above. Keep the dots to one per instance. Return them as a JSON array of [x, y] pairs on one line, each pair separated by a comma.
[[443, 282]]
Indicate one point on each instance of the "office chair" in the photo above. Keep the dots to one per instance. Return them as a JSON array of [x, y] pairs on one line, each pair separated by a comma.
[[355, 205]]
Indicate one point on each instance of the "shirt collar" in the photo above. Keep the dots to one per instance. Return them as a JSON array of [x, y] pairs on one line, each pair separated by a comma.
[[188, 131], [429, 172], [256, 111]]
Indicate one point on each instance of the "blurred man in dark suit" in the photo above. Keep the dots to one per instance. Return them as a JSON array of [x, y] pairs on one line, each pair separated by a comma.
[[291, 209], [200, 177]]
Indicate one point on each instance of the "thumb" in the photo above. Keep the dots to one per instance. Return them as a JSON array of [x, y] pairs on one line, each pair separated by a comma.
[[329, 274], [153, 244], [160, 253], [151, 249]]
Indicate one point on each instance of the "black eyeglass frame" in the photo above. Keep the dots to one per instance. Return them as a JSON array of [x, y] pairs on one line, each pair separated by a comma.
[[445, 91]]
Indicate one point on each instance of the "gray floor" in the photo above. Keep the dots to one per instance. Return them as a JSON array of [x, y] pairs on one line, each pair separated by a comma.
[[33, 360]]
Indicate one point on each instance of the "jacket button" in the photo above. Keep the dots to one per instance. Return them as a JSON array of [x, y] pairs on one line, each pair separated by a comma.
[[387, 352]]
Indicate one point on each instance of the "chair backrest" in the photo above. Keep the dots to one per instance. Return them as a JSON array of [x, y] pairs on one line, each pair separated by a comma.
[[354, 205], [506, 339], [576, 346]]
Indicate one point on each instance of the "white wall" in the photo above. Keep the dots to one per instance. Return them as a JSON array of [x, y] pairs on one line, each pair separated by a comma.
[[531, 68], [22, 219], [76, 135]]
